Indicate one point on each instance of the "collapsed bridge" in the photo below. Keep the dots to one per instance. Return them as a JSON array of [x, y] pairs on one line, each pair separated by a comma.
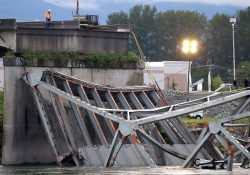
[[136, 121]]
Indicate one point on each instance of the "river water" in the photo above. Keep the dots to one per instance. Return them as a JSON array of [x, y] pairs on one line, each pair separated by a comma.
[[87, 170]]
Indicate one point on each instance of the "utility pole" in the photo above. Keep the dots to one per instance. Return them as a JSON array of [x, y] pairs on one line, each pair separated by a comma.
[[188, 76], [192, 48], [77, 7]]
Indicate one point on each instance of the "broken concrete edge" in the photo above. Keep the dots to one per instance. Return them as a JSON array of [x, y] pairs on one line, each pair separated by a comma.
[[6, 24], [71, 63]]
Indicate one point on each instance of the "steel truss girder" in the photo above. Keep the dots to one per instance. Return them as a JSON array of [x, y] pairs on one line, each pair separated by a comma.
[[128, 128], [78, 116], [92, 116], [193, 155], [165, 126], [64, 118], [124, 125], [101, 105], [116, 146], [138, 105], [216, 127], [154, 142], [66, 123], [60, 158], [46, 124], [112, 103], [168, 112]]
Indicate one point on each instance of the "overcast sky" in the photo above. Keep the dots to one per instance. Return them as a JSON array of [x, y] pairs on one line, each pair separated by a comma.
[[29, 10], [97, 4]]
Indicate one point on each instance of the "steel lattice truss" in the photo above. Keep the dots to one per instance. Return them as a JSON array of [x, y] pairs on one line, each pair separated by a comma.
[[126, 113]]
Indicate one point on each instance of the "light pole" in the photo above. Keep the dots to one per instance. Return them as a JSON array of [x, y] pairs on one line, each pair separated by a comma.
[[189, 47], [233, 22]]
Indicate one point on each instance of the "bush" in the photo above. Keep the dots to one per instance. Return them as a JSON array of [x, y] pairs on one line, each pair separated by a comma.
[[106, 61], [216, 82], [9, 53]]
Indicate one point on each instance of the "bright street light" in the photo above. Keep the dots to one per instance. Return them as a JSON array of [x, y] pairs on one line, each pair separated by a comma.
[[189, 47], [193, 49]]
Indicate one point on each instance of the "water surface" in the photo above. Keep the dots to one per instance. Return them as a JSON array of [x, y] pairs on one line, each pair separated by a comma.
[[90, 170]]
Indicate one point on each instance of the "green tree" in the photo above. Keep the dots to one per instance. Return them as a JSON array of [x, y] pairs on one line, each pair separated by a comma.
[[117, 18], [199, 73], [142, 20], [174, 28], [160, 35], [242, 36], [242, 72], [216, 82], [218, 44], [173, 85]]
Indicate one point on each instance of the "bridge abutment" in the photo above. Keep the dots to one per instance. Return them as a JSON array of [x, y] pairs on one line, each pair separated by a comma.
[[24, 140]]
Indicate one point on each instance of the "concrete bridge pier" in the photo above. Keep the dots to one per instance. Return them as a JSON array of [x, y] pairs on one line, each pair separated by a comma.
[[24, 140]]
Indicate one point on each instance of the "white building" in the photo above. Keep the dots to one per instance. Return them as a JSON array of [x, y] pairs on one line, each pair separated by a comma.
[[168, 72]]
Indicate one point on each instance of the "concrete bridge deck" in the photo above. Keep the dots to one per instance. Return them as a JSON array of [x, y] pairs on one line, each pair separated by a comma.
[[63, 36]]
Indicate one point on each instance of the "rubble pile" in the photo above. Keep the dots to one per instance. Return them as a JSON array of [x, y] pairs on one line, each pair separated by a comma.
[[172, 92], [218, 111]]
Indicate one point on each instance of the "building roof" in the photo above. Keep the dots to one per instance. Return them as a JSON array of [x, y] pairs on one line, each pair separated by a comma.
[[155, 65]]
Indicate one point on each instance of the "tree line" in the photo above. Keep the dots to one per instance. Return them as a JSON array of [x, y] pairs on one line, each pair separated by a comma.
[[161, 35]]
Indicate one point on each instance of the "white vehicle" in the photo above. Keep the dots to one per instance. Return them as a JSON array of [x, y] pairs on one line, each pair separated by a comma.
[[197, 115]]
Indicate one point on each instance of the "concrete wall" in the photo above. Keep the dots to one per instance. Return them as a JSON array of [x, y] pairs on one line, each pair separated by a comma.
[[63, 36], [8, 33], [24, 140], [69, 40]]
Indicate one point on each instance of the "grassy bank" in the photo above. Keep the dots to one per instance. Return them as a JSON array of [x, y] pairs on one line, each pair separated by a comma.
[[192, 123], [1, 121]]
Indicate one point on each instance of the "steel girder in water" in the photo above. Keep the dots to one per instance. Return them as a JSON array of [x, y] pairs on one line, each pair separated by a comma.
[[129, 122]]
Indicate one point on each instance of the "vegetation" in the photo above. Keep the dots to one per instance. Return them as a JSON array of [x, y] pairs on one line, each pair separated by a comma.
[[194, 123], [9, 53], [242, 73], [163, 134], [31, 54], [241, 129], [173, 85], [216, 83], [161, 34], [92, 60]]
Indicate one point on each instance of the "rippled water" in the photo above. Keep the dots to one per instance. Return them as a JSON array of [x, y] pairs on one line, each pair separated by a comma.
[[42, 170]]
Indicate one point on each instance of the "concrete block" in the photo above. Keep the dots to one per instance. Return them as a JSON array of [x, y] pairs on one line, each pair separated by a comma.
[[7, 24]]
